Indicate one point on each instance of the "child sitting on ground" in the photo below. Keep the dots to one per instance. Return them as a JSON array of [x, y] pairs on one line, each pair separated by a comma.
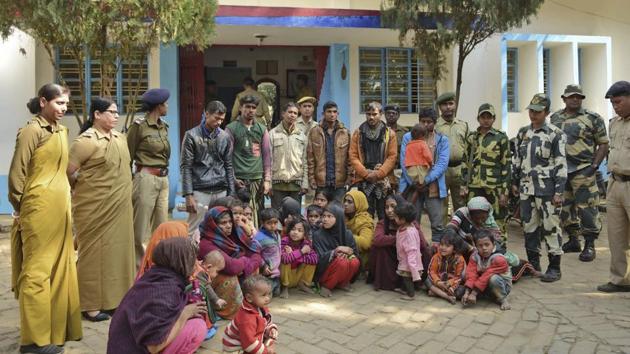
[[201, 289], [314, 217], [487, 272], [418, 161], [298, 257], [269, 239], [446, 269], [251, 330], [238, 212], [408, 249], [322, 198]]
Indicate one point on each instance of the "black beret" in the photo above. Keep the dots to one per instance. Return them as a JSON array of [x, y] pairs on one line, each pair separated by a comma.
[[392, 107], [156, 96], [619, 88]]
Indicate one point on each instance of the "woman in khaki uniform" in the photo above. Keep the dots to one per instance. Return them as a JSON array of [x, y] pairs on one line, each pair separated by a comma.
[[44, 275], [103, 214], [148, 144]]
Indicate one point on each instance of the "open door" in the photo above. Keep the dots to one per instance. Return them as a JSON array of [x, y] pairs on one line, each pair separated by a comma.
[[191, 88]]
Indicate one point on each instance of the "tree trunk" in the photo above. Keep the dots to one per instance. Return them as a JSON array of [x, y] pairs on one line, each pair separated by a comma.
[[460, 66]]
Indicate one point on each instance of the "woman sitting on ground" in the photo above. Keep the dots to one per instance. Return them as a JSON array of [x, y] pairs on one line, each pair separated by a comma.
[[154, 315], [241, 254], [383, 261], [338, 264]]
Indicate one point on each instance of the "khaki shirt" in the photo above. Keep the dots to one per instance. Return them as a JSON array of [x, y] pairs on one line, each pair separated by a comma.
[[88, 149], [304, 127], [148, 143], [619, 149], [456, 132], [35, 134], [262, 111]]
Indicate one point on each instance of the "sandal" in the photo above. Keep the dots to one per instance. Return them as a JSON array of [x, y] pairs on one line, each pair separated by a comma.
[[101, 316], [36, 349]]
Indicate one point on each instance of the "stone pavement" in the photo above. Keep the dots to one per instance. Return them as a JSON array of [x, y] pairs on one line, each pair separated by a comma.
[[568, 316]]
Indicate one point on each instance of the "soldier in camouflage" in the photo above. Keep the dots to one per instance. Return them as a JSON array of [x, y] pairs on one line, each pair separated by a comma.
[[539, 176], [587, 146], [486, 167]]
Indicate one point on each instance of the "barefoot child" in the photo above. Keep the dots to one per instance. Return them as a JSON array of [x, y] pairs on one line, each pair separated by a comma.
[[269, 239], [298, 258], [408, 249], [201, 287], [487, 272], [447, 268], [251, 330]]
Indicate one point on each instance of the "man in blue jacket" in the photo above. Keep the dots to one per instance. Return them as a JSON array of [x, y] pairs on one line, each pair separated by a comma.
[[435, 182]]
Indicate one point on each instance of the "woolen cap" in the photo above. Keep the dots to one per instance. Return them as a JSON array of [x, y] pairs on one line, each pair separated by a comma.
[[156, 96], [486, 107], [539, 103], [571, 90], [445, 97], [619, 88]]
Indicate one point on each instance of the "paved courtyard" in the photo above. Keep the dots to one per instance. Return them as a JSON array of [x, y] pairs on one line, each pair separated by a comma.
[[568, 316]]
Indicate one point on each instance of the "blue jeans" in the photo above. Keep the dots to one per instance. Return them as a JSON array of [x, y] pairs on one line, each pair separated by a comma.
[[436, 215]]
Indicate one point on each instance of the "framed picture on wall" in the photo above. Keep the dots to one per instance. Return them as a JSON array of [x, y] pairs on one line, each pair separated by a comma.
[[300, 83]]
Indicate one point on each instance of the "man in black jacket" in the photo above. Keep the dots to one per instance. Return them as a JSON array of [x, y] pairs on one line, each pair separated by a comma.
[[206, 164]]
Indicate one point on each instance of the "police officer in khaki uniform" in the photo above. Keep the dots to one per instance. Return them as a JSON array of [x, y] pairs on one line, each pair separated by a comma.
[[456, 131], [148, 144], [618, 195], [263, 116]]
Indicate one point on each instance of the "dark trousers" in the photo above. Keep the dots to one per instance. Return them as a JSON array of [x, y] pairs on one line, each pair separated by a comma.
[[277, 197], [337, 193]]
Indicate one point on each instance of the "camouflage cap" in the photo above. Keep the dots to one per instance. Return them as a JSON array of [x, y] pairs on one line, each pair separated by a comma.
[[445, 97], [486, 107], [619, 88], [573, 89], [310, 99], [539, 102]]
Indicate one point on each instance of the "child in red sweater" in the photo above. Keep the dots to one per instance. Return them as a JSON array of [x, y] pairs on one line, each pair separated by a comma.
[[488, 272], [418, 160], [251, 330]]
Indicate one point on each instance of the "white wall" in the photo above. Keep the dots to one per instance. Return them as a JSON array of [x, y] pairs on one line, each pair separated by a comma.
[[18, 86]]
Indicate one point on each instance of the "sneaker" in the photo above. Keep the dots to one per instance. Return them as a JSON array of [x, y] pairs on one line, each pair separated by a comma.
[[613, 288]]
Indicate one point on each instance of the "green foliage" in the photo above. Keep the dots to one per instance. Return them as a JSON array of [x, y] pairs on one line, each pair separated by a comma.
[[109, 29], [437, 25]]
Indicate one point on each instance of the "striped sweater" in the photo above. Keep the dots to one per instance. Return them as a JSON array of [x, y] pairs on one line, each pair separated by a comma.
[[251, 331], [295, 257]]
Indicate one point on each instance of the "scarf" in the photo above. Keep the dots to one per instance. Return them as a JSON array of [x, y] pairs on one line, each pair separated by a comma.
[[177, 254], [165, 231], [361, 215], [372, 144], [326, 240], [205, 131], [481, 203], [234, 245]]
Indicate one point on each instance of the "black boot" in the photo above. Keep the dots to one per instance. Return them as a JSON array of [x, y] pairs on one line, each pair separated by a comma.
[[572, 246], [534, 259], [588, 253], [553, 271]]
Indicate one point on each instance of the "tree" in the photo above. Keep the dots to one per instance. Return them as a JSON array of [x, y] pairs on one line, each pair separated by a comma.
[[110, 31], [437, 25]]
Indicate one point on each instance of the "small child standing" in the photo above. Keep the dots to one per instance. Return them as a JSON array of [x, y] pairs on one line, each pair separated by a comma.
[[446, 269], [299, 259], [488, 272], [269, 239], [418, 160], [251, 330], [408, 249], [314, 217]]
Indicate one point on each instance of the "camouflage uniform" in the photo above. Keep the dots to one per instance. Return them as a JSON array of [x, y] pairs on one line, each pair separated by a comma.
[[584, 132], [540, 171], [486, 170]]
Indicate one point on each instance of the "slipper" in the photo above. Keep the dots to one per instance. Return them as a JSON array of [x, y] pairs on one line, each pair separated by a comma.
[[101, 316], [211, 332], [36, 349]]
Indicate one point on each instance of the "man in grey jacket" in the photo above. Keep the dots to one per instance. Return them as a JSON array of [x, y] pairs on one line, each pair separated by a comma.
[[206, 164]]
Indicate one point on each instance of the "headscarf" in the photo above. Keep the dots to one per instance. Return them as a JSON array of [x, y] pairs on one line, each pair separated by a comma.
[[481, 203], [361, 216], [234, 245], [176, 253], [325, 241], [148, 311], [288, 207], [165, 231]]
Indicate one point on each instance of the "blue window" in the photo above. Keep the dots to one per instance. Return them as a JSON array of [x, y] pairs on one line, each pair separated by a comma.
[[547, 71], [394, 76], [132, 77], [512, 79]]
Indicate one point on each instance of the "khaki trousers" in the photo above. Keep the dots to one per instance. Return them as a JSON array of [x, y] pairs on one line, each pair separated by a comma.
[[453, 186], [150, 208], [618, 210]]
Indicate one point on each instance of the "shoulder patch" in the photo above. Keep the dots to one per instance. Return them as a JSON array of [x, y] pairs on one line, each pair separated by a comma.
[[139, 120]]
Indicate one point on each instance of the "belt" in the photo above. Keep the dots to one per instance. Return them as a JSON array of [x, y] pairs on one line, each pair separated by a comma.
[[454, 163], [621, 178], [156, 171]]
